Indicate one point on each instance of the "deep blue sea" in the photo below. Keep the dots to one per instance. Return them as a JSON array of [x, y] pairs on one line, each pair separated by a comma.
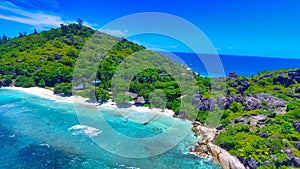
[[36, 133], [242, 65]]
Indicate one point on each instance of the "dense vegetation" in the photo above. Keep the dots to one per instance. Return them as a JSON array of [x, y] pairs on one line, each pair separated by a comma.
[[47, 59]]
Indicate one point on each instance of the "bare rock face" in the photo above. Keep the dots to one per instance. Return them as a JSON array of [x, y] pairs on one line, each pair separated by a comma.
[[250, 163], [296, 126], [255, 121], [271, 100], [57, 56], [225, 102], [283, 80], [297, 145], [232, 75], [292, 160], [201, 103], [252, 103], [226, 160], [206, 148], [289, 79], [263, 135]]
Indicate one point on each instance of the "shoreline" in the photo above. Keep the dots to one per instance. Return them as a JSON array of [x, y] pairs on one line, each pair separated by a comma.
[[48, 94], [198, 130]]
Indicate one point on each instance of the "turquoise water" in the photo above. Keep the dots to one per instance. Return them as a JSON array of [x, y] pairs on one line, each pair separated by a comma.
[[35, 133]]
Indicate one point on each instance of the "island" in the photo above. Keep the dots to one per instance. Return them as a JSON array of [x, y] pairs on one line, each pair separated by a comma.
[[259, 115]]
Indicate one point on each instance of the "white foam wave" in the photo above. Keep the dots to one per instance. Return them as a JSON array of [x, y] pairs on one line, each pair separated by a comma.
[[82, 129], [7, 106]]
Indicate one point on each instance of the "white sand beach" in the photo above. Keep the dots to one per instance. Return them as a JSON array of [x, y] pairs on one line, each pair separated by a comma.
[[141, 109], [49, 94]]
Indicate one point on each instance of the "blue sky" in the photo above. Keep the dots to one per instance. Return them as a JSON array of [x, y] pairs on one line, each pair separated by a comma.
[[240, 27]]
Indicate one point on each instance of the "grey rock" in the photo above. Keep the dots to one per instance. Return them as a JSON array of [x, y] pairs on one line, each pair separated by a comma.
[[182, 115], [297, 89], [232, 75], [253, 164], [274, 157], [297, 145], [292, 160], [289, 79], [225, 102], [296, 126], [204, 104], [271, 100], [57, 57], [283, 80], [263, 135], [219, 127], [252, 103], [243, 120], [249, 163]]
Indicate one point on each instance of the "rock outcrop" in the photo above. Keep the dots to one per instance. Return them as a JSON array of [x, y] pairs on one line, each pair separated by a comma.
[[201, 103], [254, 102], [206, 148], [297, 145], [225, 102], [250, 163], [296, 126], [292, 160], [271, 100], [222, 157], [254, 121], [289, 79]]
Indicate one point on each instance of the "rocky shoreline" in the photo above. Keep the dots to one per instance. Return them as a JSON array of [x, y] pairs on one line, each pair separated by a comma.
[[206, 149]]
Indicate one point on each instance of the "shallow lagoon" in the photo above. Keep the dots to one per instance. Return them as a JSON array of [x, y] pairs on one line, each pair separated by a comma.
[[37, 133]]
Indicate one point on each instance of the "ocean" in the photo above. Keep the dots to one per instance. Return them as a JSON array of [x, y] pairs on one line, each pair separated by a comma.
[[39, 133], [242, 65]]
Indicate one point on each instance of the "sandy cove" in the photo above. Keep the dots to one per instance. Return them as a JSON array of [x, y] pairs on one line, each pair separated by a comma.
[[219, 155], [49, 94]]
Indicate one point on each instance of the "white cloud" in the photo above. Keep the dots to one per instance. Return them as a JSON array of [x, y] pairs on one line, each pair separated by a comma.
[[38, 19], [50, 4], [115, 32], [91, 25], [35, 18]]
